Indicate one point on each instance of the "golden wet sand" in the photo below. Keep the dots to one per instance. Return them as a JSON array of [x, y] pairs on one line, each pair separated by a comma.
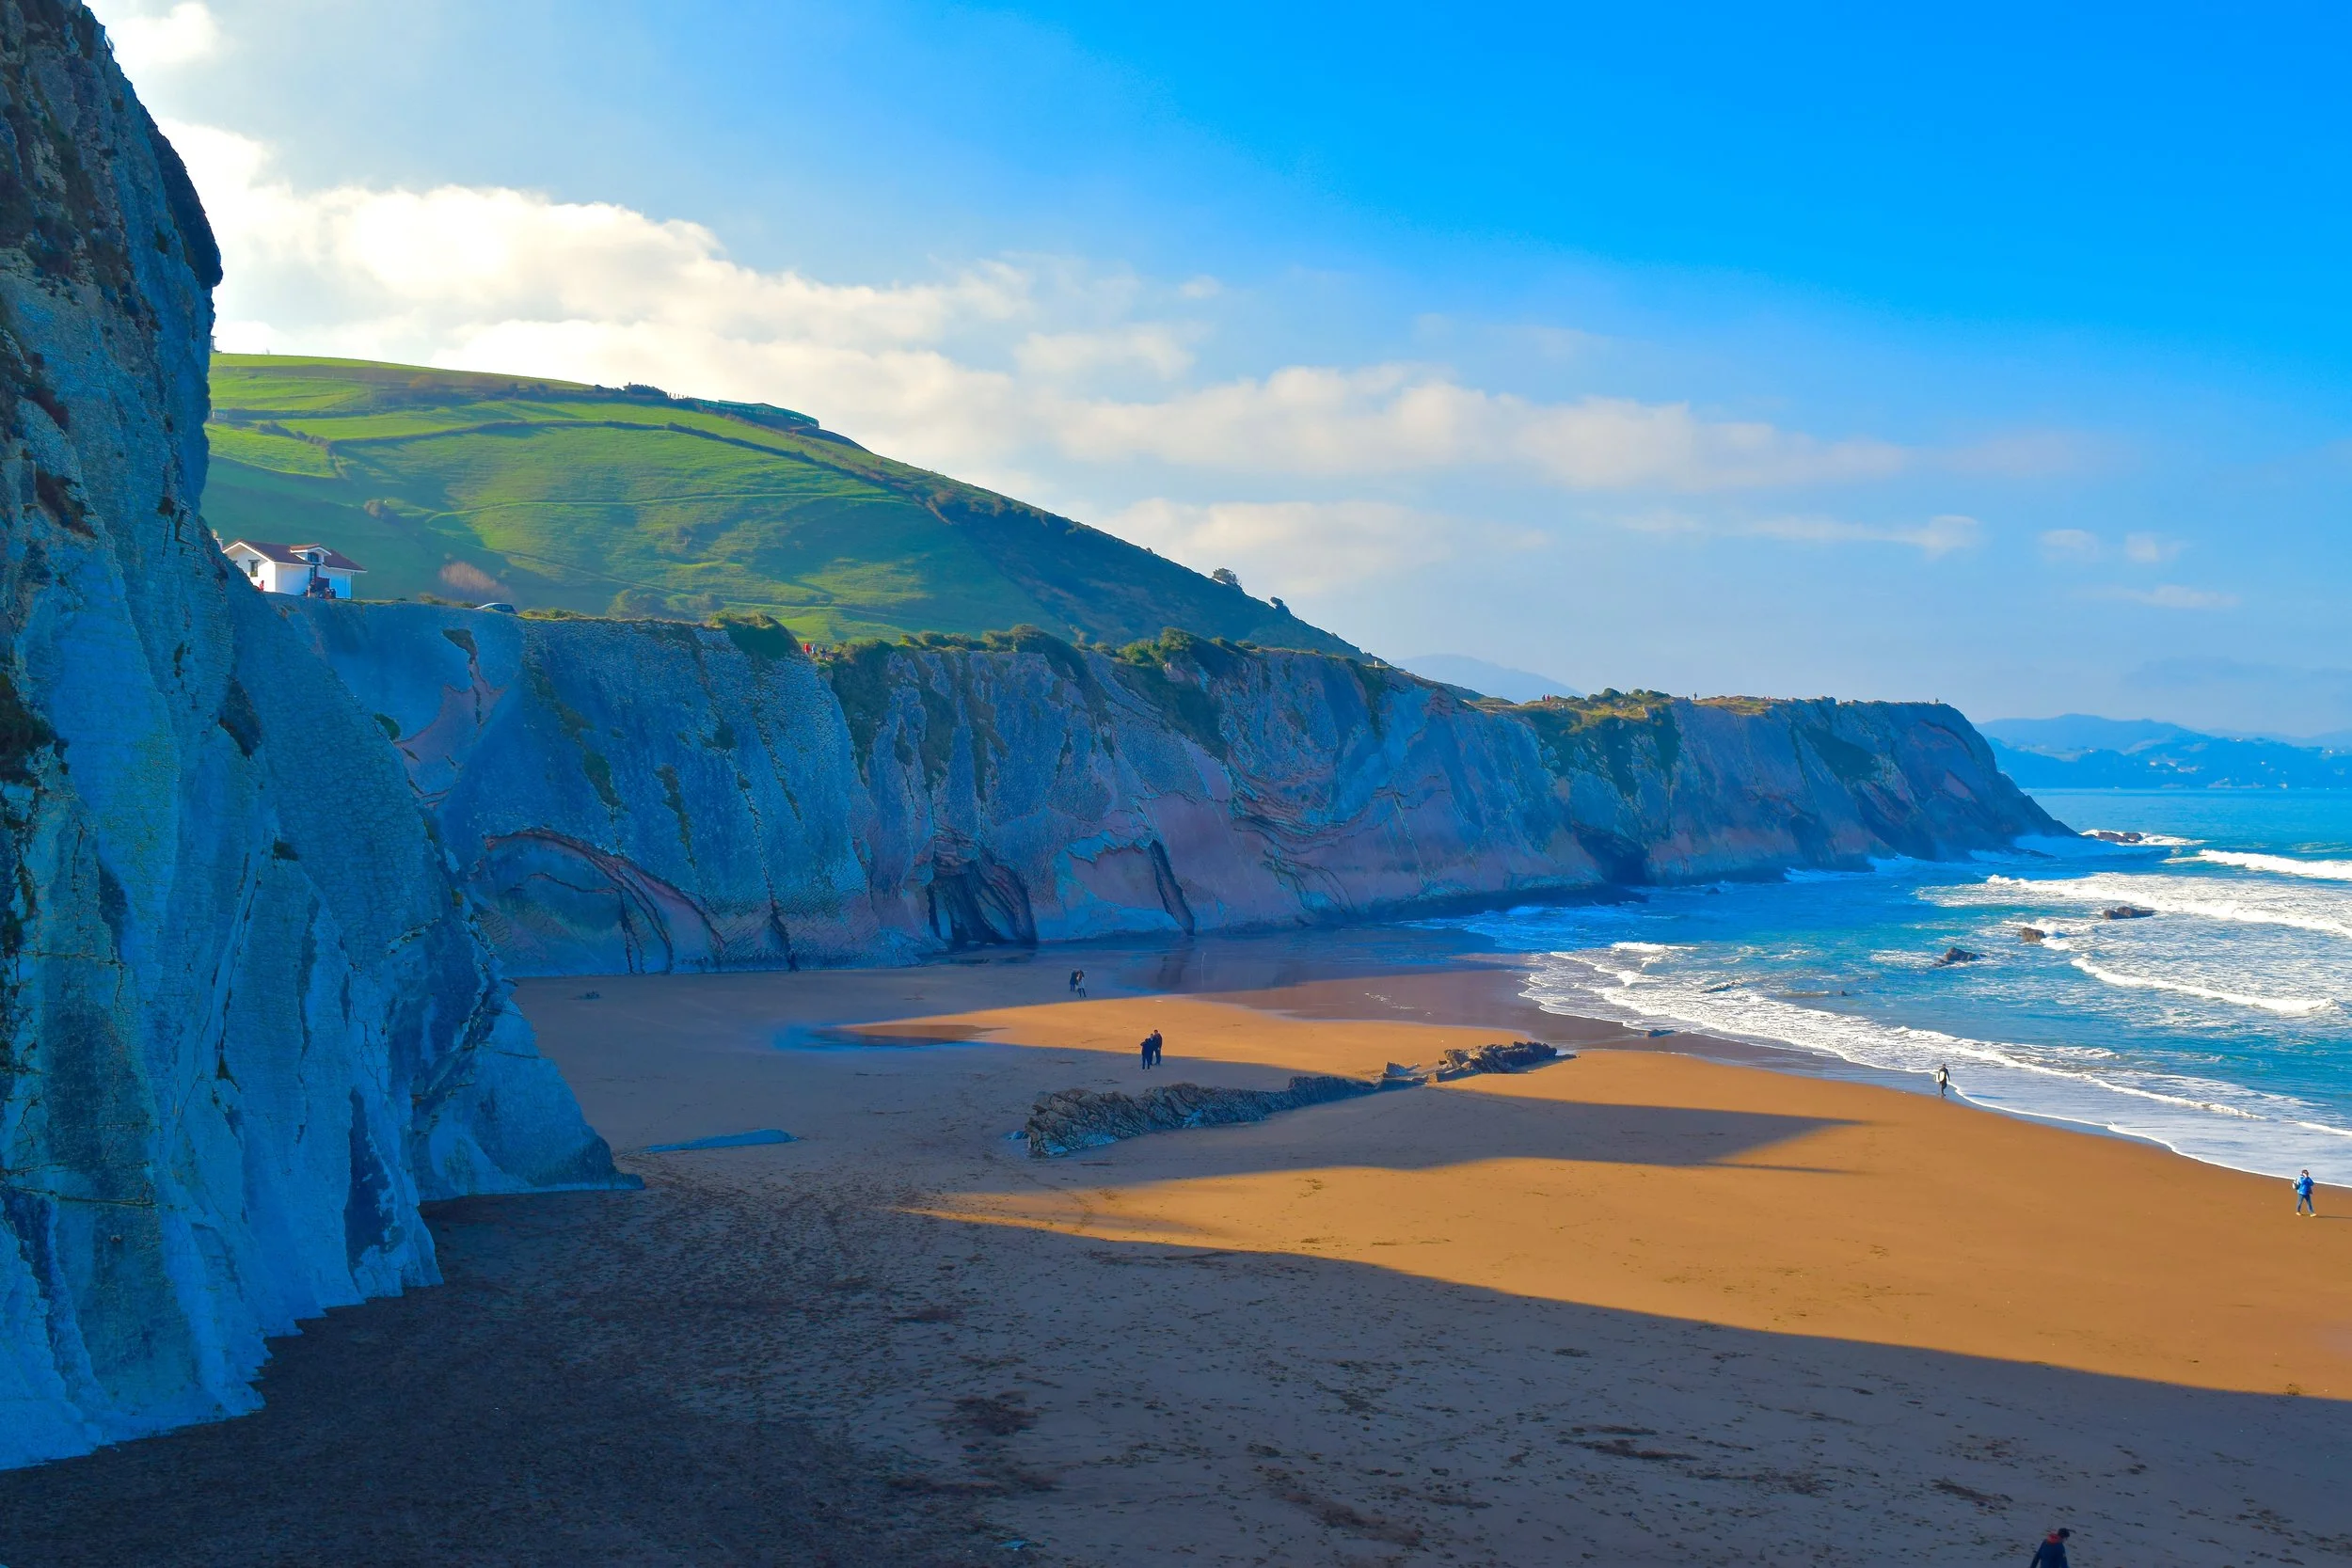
[[1661, 1183], [1650, 1305]]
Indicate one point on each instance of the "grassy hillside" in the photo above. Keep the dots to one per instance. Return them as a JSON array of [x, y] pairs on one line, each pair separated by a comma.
[[554, 496]]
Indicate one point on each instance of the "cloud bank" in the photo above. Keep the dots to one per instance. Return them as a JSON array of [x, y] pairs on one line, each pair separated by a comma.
[[1038, 355]]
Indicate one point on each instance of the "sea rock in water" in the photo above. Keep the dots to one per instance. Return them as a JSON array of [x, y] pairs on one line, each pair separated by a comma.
[[2127, 911], [1956, 956], [1067, 1120], [2033, 934], [2116, 835], [1516, 1056], [247, 1025]]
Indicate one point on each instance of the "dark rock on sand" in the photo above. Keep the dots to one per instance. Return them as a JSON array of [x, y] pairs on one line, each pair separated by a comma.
[[1067, 1120], [1518, 1056]]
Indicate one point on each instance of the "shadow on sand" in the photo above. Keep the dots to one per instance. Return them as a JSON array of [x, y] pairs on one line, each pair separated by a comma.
[[664, 1378]]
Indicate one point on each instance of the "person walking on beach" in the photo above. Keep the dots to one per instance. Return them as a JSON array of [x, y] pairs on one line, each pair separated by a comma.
[[1078, 982], [1942, 1082], [2051, 1552], [1150, 1048], [2303, 1204]]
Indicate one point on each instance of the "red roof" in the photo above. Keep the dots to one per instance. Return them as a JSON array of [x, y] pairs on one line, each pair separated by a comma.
[[292, 555]]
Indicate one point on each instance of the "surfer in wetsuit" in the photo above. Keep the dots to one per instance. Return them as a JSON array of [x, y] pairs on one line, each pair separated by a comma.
[[1942, 1082]]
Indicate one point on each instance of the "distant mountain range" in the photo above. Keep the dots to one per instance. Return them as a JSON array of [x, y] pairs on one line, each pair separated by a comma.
[[625, 500], [2080, 750], [1488, 680]]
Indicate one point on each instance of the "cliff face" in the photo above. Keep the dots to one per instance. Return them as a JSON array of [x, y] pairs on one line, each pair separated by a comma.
[[647, 795], [245, 1025]]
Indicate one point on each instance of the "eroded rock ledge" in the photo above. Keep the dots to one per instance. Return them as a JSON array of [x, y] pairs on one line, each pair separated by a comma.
[[1069, 1120]]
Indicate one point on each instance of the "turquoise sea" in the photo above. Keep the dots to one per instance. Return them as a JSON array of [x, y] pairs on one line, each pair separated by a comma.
[[2220, 1026]]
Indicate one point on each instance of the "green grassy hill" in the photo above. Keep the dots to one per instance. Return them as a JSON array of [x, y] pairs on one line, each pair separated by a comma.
[[554, 496]]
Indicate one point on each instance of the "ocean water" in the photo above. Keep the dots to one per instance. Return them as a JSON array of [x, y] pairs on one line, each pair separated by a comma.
[[2221, 1026]]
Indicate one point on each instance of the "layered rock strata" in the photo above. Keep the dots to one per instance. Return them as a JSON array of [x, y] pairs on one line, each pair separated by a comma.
[[651, 796], [1068, 1122], [1510, 1057], [245, 1025]]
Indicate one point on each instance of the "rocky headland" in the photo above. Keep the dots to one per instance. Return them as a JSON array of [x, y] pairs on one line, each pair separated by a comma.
[[651, 796]]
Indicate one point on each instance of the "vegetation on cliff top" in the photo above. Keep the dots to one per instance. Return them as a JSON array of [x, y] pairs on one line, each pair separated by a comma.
[[557, 496], [1603, 733]]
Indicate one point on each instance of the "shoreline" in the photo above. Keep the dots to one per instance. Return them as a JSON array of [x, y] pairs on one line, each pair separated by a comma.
[[1677, 1300], [1467, 955]]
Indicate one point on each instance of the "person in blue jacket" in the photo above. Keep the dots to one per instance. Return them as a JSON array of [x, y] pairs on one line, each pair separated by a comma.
[[2303, 1204], [2051, 1552]]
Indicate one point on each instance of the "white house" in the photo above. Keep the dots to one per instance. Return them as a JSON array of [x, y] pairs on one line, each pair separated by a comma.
[[313, 571]]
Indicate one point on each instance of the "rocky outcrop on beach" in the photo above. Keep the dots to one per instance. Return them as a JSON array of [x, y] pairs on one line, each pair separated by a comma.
[[1069, 1120], [245, 1026], [1511, 1056], [653, 796]]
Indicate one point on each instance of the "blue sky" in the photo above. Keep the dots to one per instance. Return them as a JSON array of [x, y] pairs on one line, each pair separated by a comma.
[[1992, 357]]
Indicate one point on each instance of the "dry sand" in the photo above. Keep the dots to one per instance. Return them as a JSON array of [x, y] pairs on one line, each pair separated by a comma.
[[1640, 1307]]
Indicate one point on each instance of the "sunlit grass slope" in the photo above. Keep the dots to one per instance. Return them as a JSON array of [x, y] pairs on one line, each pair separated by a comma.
[[599, 501]]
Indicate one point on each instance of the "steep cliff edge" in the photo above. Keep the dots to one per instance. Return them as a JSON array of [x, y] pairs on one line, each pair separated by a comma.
[[648, 796], [245, 1025]]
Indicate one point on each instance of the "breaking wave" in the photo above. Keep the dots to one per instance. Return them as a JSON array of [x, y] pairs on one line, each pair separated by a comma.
[[2206, 1118], [2287, 1006], [2283, 865]]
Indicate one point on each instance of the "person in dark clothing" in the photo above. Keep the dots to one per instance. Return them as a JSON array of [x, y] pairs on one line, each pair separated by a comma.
[[1159, 1047], [2051, 1552], [1943, 1083], [1150, 1048], [1078, 982]]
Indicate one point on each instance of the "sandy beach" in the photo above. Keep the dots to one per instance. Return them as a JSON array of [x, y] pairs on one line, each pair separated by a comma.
[[1667, 1302]]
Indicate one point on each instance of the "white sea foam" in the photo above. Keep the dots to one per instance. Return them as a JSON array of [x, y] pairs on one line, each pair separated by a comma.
[[2085, 848], [2288, 1006], [2303, 908], [2284, 865], [2219, 1122]]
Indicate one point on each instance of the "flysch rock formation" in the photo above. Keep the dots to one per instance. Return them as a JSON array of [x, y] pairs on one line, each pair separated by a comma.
[[246, 1024], [648, 796], [1070, 1121]]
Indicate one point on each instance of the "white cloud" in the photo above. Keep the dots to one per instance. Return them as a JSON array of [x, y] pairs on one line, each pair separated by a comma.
[[1310, 547], [1147, 345], [1001, 358], [2070, 544], [2171, 595], [146, 43], [1938, 536], [2151, 550], [1403, 418]]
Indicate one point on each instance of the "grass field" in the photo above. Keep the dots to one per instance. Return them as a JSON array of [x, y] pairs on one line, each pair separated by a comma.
[[553, 496]]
